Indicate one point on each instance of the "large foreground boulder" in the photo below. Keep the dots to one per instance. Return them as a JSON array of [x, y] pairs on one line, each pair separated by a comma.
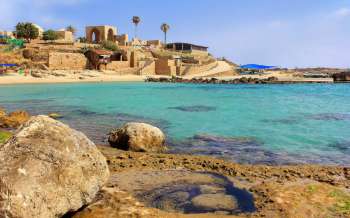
[[139, 137], [48, 169]]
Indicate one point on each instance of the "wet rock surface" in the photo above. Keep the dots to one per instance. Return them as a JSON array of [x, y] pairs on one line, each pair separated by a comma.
[[185, 191], [48, 169], [278, 191], [140, 137]]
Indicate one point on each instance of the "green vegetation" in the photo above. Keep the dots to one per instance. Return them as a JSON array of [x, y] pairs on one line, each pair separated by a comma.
[[312, 189], [4, 136], [13, 44], [82, 39], [342, 204], [50, 35], [27, 31], [165, 28], [71, 29], [108, 45]]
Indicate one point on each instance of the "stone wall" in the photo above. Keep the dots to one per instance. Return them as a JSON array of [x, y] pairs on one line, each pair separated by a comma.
[[67, 61], [195, 69], [122, 40], [66, 36], [165, 66], [117, 65], [148, 67]]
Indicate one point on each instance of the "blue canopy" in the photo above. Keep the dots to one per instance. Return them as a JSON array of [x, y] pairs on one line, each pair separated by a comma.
[[256, 67], [8, 65]]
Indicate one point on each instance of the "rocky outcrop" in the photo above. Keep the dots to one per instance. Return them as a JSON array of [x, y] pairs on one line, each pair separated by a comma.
[[14, 119], [139, 137], [2, 112], [48, 169], [341, 77], [242, 80]]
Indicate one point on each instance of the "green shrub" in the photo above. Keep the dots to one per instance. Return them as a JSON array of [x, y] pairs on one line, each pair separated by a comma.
[[4, 136], [27, 31], [109, 45], [50, 35]]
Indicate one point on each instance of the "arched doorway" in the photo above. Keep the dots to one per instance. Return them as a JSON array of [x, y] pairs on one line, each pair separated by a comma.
[[95, 35], [110, 36]]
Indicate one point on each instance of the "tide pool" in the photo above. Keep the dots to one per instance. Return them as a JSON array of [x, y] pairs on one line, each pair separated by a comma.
[[273, 124]]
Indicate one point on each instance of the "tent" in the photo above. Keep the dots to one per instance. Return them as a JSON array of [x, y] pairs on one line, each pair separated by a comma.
[[8, 65], [256, 67]]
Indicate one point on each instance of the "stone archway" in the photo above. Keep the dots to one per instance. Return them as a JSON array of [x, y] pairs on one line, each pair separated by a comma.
[[95, 35], [110, 36]]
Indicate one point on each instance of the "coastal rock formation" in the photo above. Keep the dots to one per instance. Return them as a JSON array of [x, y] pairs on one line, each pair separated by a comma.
[[14, 119], [48, 169], [140, 137], [342, 77], [2, 112], [242, 80]]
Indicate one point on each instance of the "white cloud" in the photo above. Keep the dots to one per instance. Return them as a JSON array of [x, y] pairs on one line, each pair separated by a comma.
[[342, 12]]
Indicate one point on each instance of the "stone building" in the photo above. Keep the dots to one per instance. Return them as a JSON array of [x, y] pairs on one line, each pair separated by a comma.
[[64, 35], [187, 47], [96, 34]]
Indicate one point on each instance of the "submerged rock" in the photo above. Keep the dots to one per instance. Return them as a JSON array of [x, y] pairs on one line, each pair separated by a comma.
[[140, 137], [55, 116], [195, 108], [48, 169], [14, 119], [215, 202]]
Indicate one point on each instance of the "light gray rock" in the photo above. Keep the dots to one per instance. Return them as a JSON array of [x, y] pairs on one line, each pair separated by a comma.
[[48, 169], [139, 137]]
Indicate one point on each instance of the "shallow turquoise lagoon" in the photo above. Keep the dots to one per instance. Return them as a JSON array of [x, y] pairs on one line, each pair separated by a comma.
[[273, 124]]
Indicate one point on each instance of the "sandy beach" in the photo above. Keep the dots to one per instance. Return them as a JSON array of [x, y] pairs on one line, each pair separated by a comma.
[[15, 78]]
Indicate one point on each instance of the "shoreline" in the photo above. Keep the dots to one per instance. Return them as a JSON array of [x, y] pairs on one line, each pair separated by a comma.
[[105, 77]]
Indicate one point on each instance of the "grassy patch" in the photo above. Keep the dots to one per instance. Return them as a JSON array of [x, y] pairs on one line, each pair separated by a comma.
[[342, 204], [4, 136], [312, 189]]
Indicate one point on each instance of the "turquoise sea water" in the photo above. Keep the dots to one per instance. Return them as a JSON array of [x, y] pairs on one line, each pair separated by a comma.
[[299, 123]]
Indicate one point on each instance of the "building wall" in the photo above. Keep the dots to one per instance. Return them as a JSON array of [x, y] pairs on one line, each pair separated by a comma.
[[102, 31], [117, 65], [165, 66], [122, 39], [67, 61], [155, 43], [148, 67], [65, 36]]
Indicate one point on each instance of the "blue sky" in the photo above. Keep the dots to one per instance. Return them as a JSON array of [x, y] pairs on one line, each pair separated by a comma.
[[290, 33]]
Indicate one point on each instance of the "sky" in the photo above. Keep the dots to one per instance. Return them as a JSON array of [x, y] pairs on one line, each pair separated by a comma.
[[286, 33]]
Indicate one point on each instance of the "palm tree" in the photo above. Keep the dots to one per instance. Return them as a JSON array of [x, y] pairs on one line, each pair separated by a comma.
[[136, 20], [71, 29], [165, 28]]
